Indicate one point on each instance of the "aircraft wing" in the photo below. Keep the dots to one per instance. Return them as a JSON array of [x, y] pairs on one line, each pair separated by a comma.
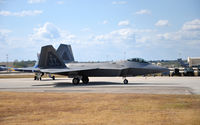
[[28, 69], [66, 70]]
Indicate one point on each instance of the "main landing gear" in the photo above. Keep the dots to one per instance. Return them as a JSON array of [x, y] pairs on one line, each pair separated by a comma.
[[53, 77], [38, 76], [76, 80], [85, 80]]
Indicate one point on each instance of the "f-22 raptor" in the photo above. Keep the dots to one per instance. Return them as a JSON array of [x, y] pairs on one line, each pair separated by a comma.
[[62, 62]]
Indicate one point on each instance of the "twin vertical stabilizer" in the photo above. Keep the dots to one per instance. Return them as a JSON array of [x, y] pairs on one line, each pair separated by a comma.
[[49, 58], [65, 52]]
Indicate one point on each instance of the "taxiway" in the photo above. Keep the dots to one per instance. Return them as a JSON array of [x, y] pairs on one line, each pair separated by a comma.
[[147, 85]]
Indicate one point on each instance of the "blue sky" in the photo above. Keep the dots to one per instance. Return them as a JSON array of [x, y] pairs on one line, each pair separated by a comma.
[[101, 30]]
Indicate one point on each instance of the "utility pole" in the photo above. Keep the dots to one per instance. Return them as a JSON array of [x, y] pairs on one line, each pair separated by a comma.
[[7, 61]]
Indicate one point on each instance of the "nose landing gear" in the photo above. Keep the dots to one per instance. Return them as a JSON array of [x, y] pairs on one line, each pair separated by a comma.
[[125, 80]]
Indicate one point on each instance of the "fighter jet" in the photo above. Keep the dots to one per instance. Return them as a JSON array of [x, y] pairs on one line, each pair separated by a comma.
[[51, 62]]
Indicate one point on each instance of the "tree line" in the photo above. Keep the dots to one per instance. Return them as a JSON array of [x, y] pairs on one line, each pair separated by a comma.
[[20, 64]]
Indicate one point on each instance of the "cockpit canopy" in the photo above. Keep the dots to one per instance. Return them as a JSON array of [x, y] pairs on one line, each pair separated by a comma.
[[140, 60]]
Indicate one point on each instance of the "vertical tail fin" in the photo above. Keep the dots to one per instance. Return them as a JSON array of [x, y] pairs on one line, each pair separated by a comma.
[[65, 52], [49, 58]]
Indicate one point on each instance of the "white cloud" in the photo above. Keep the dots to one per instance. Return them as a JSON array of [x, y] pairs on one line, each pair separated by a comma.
[[144, 30], [192, 25], [143, 39], [122, 35], [5, 31], [123, 32], [123, 23], [116, 36], [119, 2], [51, 33], [143, 11], [162, 23], [48, 31], [180, 35], [8, 42], [5, 13], [87, 29], [187, 37], [60, 2], [22, 13], [3, 34], [35, 1], [189, 32], [105, 22]]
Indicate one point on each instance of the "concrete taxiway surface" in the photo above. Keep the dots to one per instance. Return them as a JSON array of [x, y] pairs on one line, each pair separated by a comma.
[[148, 85]]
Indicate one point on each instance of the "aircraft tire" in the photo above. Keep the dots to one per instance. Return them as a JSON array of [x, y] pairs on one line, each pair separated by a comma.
[[125, 81], [53, 77], [85, 79], [35, 77], [75, 81]]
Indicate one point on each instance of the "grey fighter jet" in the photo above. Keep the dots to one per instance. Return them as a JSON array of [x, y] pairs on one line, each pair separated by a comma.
[[51, 62]]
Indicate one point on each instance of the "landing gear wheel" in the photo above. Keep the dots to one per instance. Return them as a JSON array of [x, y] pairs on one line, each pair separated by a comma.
[[53, 77], [35, 78], [38, 76], [125, 81], [85, 79], [75, 81]]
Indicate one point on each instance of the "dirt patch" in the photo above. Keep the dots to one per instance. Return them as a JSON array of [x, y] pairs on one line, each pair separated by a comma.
[[98, 109]]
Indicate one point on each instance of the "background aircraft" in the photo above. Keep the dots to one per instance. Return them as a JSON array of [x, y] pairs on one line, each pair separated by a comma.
[[51, 62], [2, 68]]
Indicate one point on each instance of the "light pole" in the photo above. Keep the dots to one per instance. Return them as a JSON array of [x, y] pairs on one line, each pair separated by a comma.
[[7, 61]]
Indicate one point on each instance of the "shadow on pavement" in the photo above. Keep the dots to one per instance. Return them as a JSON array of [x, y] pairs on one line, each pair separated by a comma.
[[69, 84], [99, 83]]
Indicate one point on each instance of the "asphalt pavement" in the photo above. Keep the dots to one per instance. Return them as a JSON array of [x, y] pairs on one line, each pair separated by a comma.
[[145, 85]]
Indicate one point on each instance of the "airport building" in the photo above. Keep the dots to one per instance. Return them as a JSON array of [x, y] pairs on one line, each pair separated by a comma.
[[194, 61]]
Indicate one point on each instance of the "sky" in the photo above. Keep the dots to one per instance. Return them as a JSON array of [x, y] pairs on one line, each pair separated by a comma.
[[101, 30]]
